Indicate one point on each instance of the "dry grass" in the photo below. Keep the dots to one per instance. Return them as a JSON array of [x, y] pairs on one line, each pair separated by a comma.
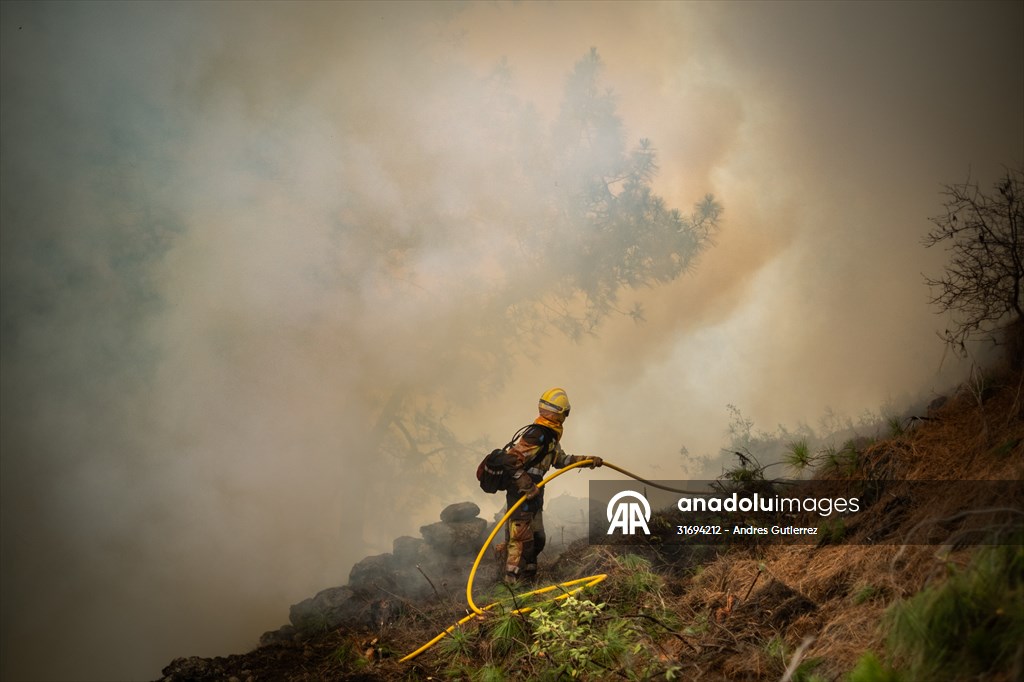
[[745, 613], [851, 586]]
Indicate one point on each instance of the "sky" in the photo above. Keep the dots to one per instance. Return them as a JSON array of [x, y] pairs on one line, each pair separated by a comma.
[[229, 230]]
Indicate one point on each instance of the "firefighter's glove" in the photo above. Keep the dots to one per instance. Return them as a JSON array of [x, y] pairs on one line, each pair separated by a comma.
[[594, 461]]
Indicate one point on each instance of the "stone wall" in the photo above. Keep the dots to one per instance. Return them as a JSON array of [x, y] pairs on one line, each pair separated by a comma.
[[438, 562]]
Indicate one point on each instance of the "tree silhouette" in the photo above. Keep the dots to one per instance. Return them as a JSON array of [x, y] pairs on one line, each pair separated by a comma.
[[610, 229], [582, 224], [981, 286]]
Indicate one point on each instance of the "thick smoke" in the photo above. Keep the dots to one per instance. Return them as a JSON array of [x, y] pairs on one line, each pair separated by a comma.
[[230, 232]]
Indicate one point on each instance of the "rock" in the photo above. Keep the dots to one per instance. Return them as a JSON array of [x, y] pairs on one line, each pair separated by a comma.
[[457, 538], [405, 549], [459, 512], [191, 668], [284, 635], [373, 573], [776, 603], [329, 609], [937, 404], [384, 612]]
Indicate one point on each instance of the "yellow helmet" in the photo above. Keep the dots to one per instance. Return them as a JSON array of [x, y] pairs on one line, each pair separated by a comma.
[[555, 400]]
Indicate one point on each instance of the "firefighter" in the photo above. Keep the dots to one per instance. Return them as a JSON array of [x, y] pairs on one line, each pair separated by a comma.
[[536, 450]]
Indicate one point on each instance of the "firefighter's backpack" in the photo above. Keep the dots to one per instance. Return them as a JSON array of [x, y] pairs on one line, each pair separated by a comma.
[[495, 470]]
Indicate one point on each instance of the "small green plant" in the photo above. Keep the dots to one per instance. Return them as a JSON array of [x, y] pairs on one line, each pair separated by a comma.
[[507, 631], [798, 455], [616, 642], [636, 581], [567, 634], [831, 531], [870, 669], [778, 655], [805, 671], [775, 650], [864, 594], [742, 474], [346, 656], [489, 673], [458, 644], [672, 672], [829, 456], [564, 633], [896, 426], [699, 625], [633, 562], [841, 461], [657, 621], [1006, 448]]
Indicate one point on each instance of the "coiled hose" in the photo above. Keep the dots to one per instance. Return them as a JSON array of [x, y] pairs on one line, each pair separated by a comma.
[[582, 583]]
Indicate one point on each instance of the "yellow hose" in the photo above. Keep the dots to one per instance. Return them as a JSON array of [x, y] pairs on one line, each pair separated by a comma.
[[589, 581], [497, 527]]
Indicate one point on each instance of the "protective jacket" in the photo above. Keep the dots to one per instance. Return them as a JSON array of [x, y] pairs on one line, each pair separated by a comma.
[[537, 449]]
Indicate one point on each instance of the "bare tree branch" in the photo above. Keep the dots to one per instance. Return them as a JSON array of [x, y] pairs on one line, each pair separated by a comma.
[[981, 286]]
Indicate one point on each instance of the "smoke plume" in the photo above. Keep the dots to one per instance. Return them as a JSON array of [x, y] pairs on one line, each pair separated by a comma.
[[230, 232]]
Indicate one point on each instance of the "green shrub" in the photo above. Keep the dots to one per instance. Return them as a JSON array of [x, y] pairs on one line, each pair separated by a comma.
[[970, 625], [579, 638], [564, 632], [636, 582]]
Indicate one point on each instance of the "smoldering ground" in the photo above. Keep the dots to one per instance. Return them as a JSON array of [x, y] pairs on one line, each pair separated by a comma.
[[231, 232]]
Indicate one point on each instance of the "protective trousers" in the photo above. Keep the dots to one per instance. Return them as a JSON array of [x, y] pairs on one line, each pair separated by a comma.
[[526, 539]]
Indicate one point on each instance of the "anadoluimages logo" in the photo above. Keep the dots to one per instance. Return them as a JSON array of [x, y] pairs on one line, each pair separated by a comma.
[[628, 516]]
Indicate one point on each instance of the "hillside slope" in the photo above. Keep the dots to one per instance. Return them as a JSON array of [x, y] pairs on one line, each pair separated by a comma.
[[770, 612]]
